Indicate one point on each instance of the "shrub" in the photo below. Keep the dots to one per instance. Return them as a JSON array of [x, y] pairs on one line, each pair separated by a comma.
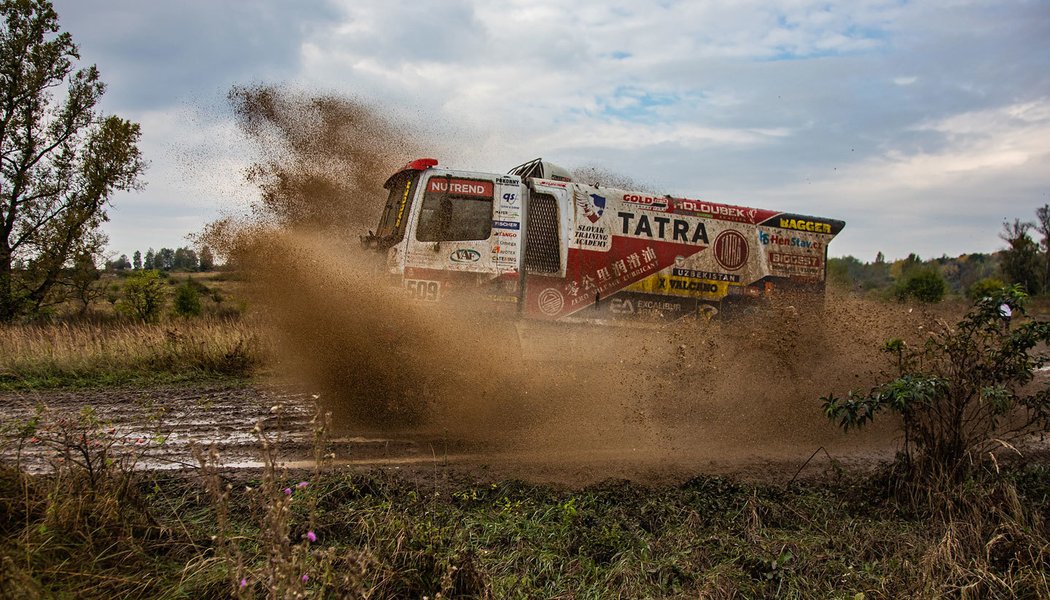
[[963, 392], [143, 296], [923, 284], [187, 300], [984, 288]]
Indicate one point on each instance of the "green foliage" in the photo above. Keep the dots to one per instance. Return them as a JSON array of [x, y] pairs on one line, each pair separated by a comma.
[[62, 160], [187, 300], [385, 535], [924, 284], [144, 296], [1021, 263], [852, 273], [963, 392], [886, 278], [985, 288]]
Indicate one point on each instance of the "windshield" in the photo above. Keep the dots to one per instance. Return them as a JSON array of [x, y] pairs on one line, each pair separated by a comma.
[[395, 214], [455, 210]]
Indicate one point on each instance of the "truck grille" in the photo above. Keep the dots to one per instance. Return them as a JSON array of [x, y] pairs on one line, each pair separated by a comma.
[[542, 252]]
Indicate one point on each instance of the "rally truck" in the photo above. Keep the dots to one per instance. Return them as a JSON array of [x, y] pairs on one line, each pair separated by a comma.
[[536, 242]]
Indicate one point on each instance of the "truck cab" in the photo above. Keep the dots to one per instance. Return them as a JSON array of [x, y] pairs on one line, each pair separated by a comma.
[[446, 232]]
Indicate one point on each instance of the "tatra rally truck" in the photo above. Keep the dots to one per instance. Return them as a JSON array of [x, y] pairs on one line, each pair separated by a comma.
[[536, 242]]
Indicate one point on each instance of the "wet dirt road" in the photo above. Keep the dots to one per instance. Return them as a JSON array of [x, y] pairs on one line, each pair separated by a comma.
[[168, 427]]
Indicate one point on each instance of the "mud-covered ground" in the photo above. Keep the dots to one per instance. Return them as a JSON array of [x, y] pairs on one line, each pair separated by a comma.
[[161, 428]]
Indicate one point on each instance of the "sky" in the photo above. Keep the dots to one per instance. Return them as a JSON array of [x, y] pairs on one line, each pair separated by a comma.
[[923, 125]]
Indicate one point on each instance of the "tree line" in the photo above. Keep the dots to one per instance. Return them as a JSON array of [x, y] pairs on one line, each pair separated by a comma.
[[165, 259], [1025, 261]]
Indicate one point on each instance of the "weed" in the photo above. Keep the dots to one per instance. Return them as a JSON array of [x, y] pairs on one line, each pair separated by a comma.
[[963, 394]]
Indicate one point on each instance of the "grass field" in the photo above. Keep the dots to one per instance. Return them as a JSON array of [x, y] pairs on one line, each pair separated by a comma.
[[113, 353], [429, 534]]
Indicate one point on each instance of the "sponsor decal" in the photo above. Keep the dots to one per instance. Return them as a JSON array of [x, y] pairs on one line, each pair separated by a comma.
[[688, 285], [506, 225], [460, 187], [708, 275], [773, 239], [796, 265], [551, 301], [653, 202], [663, 228], [510, 198], [507, 181], [795, 260], [731, 250], [592, 205], [612, 276], [646, 307], [548, 183], [721, 211], [465, 255], [804, 225], [591, 236], [404, 202]]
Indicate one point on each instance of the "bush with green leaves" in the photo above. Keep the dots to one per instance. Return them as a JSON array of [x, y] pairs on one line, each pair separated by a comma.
[[985, 288], [924, 284], [963, 393], [187, 300], [143, 296]]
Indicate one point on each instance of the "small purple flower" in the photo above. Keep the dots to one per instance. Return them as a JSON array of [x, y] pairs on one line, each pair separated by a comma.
[[287, 491], [305, 578], [310, 535], [302, 484], [244, 582]]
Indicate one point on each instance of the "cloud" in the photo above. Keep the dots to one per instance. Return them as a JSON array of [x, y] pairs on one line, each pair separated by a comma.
[[872, 111]]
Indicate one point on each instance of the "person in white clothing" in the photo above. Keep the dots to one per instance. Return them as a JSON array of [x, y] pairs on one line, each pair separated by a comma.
[[1005, 313]]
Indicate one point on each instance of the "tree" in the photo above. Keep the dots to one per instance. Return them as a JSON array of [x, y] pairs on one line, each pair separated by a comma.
[[187, 300], [1021, 259], [83, 282], [150, 262], [207, 259], [60, 160], [120, 264], [185, 259], [924, 284], [1042, 225], [136, 260], [143, 296], [164, 260], [985, 288]]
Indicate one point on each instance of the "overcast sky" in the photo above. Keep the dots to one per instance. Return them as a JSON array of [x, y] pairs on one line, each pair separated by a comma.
[[923, 125]]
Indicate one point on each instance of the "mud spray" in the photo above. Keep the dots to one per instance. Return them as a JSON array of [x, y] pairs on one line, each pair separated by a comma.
[[677, 396]]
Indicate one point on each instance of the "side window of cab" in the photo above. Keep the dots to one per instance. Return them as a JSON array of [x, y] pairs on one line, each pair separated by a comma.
[[456, 209]]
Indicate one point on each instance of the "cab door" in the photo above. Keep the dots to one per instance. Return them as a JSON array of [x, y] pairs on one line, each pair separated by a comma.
[[455, 240]]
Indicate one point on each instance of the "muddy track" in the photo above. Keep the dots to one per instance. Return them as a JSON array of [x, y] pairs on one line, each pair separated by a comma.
[[160, 428], [164, 425]]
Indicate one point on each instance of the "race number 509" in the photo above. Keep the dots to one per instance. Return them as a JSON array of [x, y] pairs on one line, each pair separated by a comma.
[[418, 289]]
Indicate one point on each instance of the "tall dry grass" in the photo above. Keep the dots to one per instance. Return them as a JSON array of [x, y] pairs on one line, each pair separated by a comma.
[[107, 353]]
